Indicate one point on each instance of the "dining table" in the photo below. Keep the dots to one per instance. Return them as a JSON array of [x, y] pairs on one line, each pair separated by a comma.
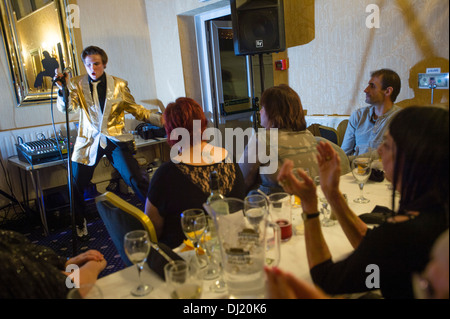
[[293, 258]]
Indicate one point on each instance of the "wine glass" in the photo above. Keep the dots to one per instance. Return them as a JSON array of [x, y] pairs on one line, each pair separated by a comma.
[[326, 221], [255, 208], [137, 248], [214, 268], [193, 223], [361, 169]]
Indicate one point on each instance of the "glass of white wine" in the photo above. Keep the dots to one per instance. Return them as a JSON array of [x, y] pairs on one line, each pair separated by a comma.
[[193, 223], [183, 280], [137, 248], [361, 169]]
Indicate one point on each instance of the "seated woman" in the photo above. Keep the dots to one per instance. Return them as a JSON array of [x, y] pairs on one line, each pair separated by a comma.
[[183, 182], [281, 109], [29, 271], [415, 156]]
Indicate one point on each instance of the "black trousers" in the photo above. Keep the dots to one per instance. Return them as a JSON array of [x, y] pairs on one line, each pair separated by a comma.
[[121, 157]]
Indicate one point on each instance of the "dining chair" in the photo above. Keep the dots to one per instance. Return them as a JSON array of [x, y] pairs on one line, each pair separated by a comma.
[[329, 133], [121, 217], [341, 128], [314, 129]]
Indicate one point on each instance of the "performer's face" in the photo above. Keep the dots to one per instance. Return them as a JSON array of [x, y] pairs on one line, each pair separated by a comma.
[[94, 66]]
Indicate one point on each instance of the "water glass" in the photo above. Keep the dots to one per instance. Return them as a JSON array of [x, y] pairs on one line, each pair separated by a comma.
[[325, 210], [183, 280], [255, 209], [86, 291], [280, 212]]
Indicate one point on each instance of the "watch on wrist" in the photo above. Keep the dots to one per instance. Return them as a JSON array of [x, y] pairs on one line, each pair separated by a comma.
[[305, 217]]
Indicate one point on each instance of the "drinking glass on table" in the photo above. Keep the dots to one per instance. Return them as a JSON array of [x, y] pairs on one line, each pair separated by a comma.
[[137, 248], [361, 169], [213, 270], [86, 291], [280, 211], [193, 223], [325, 211], [255, 209], [183, 279]]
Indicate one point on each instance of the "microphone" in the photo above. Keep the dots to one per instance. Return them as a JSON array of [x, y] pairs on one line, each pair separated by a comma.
[[62, 78]]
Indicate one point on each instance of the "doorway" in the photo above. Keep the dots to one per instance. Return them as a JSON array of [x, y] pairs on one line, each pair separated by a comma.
[[235, 82]]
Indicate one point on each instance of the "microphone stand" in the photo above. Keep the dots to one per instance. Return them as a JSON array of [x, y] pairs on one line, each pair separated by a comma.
[[69, 169]]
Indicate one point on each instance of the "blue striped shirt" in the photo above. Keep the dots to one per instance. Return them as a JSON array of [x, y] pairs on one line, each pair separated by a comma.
[[363, 131]]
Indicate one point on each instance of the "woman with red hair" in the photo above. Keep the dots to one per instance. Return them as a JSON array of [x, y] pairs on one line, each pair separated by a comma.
[[183, 182]]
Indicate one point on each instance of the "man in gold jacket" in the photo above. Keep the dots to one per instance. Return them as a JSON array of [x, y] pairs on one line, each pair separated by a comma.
[[102, 100]]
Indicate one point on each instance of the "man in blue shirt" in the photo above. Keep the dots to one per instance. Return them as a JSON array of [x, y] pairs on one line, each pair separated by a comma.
[[366, 125]]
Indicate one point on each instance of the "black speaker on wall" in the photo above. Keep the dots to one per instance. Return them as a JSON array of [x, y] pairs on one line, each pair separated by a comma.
[[258, 26]]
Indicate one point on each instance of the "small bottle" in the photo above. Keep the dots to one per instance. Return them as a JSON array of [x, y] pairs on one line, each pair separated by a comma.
[[215, 199]]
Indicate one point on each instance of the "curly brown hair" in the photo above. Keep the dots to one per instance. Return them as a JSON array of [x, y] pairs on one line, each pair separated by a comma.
[[284, 108]]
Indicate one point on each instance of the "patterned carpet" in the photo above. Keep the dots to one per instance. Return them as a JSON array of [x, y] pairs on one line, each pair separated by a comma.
[[60, 237]]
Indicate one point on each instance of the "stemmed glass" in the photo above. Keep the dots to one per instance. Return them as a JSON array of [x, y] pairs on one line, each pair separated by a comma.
[[193, 223], [326, 221], [361, 169], [255, 208], [137, 248], [214, 268]]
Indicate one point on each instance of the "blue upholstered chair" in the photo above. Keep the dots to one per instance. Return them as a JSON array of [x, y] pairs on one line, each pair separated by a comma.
[[120, 217], [329, 133]]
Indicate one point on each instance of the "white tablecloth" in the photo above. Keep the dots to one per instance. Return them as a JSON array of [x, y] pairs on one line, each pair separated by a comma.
[[293, 252]]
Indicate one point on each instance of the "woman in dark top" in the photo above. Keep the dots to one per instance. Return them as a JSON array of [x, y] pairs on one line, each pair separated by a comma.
[[415, 156], [31, 271], [183, 182]]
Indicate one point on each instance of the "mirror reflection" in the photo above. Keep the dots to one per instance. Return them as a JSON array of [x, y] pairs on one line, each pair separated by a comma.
[[38, 41]]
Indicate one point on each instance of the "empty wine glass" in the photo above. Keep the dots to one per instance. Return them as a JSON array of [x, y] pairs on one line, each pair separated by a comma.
[[193, 223], [255, 208], [361, 169], [325, 211], [214, 268], [137, 248]]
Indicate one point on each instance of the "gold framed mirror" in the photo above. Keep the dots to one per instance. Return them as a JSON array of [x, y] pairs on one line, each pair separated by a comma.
[[38, 38]]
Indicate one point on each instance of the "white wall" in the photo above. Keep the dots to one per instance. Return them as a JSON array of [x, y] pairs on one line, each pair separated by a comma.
[[331, 72]]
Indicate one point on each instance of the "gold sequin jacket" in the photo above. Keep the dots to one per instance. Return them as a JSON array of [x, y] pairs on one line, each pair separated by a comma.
[[93, 124]]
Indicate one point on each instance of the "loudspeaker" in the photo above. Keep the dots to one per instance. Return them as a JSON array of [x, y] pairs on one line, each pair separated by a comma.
[[258, 26]]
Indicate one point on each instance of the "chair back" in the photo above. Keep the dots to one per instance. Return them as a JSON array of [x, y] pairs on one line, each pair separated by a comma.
[[120, 217], [314, 129], [342, 127], [329, 133]]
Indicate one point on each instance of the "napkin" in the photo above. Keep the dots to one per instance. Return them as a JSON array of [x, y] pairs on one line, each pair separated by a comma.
[[378, 215], [188, 245]]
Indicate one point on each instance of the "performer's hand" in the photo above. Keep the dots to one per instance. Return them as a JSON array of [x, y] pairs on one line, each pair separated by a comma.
[[60, 78]]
